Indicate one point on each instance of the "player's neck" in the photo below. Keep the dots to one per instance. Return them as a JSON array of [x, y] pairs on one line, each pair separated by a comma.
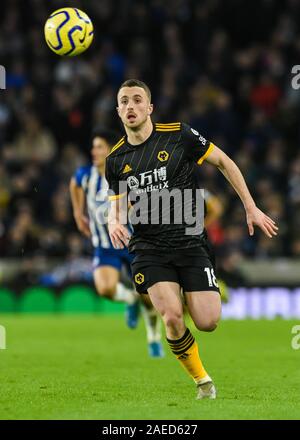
[[101, 169], [136, 137]]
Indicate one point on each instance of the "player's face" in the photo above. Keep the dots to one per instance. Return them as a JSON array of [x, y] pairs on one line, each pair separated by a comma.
[[99, 151], [134, 106]]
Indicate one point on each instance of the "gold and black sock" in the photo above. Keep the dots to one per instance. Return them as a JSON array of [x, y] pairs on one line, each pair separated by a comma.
[[186, 351]]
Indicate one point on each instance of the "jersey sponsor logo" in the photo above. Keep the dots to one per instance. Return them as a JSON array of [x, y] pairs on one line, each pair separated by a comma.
[[139, 278], [201, 138], [151, 180], [133, 182], [126, 169], [163, 156]]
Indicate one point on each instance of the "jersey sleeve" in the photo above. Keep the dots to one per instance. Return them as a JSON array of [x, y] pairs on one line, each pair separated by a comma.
[[197, 147], [81, 176], [117, 188]]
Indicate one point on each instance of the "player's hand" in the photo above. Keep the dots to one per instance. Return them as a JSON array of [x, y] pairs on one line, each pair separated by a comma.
[[119, 235], [82, 223], [256, 217]]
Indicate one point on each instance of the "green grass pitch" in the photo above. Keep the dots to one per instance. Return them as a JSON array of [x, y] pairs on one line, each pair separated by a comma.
[[93, 367]]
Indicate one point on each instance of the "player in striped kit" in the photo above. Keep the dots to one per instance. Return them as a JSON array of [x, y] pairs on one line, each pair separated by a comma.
[[88, 189]]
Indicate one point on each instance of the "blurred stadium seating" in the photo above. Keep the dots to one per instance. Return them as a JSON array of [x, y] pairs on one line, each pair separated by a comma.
[[223, 67]]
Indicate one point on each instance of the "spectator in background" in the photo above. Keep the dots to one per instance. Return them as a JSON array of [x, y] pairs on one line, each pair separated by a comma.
[[33, 143], [23, 234]]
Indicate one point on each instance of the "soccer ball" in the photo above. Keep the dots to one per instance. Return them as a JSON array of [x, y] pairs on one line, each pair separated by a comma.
[[68, 32]]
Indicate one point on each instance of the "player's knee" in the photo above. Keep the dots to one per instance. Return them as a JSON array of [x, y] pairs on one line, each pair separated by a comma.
[[211, 326], [106, 291], [174, 322], [208, 325]]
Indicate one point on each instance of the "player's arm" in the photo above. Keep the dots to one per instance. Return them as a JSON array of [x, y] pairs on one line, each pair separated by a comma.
[[234, 176], [78, 204], [118, 211], [118, 233]]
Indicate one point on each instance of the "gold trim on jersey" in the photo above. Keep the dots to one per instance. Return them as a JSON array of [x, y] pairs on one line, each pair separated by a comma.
[[168, 123], [117, 196], [206, 154], [173, 126], [118, 145], [168, 129]]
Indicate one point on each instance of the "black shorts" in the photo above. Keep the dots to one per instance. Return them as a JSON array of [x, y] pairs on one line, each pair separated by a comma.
[[193, 271]]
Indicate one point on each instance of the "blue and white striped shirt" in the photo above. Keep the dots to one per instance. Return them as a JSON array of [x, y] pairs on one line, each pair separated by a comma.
[[96, 188]]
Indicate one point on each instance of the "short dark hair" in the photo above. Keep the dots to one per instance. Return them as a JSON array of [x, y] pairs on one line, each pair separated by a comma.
[[110, 136], [136, 83]]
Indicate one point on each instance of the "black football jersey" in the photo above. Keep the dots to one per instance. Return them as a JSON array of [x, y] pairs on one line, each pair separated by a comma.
[[161, 164]]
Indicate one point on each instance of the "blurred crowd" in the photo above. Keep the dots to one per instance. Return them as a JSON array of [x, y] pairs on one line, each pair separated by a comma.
[[223, 67]]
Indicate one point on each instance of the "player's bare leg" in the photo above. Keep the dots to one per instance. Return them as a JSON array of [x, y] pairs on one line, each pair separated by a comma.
[[167, 300], [107, 284], [165, 297], [153, 327], [205, 311]]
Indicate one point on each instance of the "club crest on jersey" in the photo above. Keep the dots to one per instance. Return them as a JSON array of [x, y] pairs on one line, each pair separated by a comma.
[[126, 169], [139, 278], [163, 156]]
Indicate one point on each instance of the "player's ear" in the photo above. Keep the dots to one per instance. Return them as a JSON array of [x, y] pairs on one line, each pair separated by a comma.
[[118, 110], [150, 109]]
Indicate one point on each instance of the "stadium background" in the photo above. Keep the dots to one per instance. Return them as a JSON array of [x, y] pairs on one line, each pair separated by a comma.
[[223, 67]]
